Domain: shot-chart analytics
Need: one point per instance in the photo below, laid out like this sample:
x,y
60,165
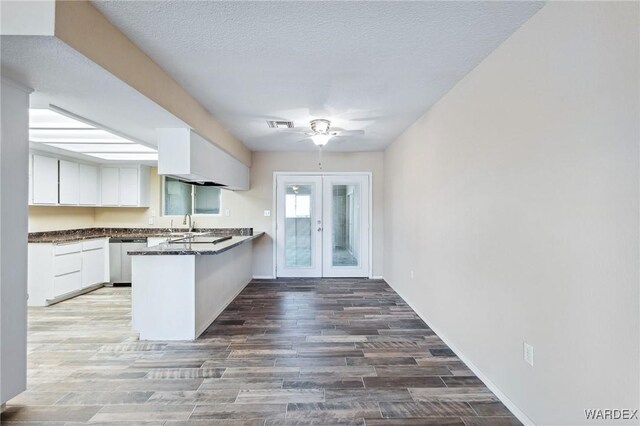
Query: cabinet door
x,y
69,183
92,267
66,283
110,186
128,186
88,185
45,180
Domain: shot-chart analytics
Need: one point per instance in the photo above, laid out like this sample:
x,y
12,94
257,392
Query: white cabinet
x,y
59,271
56,182
88,185
69,176
44,180
110,186
93,270
129,186
125,186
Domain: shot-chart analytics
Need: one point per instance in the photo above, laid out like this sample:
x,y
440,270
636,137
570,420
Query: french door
x,y
322,225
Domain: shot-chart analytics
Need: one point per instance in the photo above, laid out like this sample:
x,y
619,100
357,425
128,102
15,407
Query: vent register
x,y
279,124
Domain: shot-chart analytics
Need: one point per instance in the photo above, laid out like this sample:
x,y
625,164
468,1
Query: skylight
x,y
57,130
120,156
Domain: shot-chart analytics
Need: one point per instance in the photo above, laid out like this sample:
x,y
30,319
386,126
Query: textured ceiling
x,y
372,66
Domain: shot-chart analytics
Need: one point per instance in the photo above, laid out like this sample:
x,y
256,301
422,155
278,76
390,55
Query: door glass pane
x,y
177,197
346,225
298,226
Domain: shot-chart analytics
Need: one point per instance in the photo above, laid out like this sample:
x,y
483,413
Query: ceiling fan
x,y
321,132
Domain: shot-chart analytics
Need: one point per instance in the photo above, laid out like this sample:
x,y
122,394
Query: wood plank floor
x,y
297,351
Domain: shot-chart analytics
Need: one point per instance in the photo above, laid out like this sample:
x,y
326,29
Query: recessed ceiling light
x,y
48,119
125,156
75,135
102,147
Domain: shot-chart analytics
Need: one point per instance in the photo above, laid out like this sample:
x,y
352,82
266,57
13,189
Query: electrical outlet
x,y
411,274
267,213
528,353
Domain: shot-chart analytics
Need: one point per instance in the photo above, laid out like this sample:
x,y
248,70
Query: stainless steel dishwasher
x,y
120,261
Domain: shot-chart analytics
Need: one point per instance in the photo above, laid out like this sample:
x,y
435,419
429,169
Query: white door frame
x,y
274,215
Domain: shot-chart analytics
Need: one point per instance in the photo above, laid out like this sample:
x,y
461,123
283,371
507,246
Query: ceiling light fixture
x,y
60,129
320,139
320,125
121,156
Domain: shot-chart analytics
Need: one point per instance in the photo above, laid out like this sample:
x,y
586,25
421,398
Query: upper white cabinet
x,y
88,185
69,183
129,187
185,155
125,186
110,186
44,180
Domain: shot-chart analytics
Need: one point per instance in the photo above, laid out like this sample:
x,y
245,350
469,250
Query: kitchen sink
x,y
188,234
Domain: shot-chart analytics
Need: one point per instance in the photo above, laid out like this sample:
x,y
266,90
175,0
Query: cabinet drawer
x,y
92,244
67,248
66,284
67,263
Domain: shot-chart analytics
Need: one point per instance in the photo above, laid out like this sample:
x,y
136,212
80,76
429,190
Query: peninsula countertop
x,y
199,245
75,235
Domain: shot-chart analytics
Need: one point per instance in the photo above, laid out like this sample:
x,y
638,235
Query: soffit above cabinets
x,y
56,129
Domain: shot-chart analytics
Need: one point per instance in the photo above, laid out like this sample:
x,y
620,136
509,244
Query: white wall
x,y
14,154
515,201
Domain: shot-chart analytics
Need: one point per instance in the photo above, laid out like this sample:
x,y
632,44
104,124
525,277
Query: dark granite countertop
x,y
71,235
194,246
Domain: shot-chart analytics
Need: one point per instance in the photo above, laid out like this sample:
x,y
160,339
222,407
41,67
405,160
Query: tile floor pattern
x,y
297,351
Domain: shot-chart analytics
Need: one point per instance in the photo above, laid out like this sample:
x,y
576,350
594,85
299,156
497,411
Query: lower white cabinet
x,y
60,270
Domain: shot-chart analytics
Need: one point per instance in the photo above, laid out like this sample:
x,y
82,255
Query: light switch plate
x,y
226,212
267,213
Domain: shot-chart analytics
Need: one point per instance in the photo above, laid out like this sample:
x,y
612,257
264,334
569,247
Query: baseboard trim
x,y
378,277
520,415
264,277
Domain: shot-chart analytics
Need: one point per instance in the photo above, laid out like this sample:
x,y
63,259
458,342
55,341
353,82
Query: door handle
x,y
319,229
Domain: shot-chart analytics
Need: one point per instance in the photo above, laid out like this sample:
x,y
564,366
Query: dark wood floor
x,y
298,351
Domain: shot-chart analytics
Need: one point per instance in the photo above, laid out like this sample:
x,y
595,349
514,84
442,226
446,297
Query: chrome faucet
x,y
184,222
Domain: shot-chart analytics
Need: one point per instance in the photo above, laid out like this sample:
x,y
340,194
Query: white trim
x,y
520,415
377,277
264,277
274,212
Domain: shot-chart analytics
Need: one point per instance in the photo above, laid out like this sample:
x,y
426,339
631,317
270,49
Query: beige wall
x,y
57,218
515,201
246,208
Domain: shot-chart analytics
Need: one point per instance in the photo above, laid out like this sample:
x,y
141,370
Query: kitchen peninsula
x,y
181,286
